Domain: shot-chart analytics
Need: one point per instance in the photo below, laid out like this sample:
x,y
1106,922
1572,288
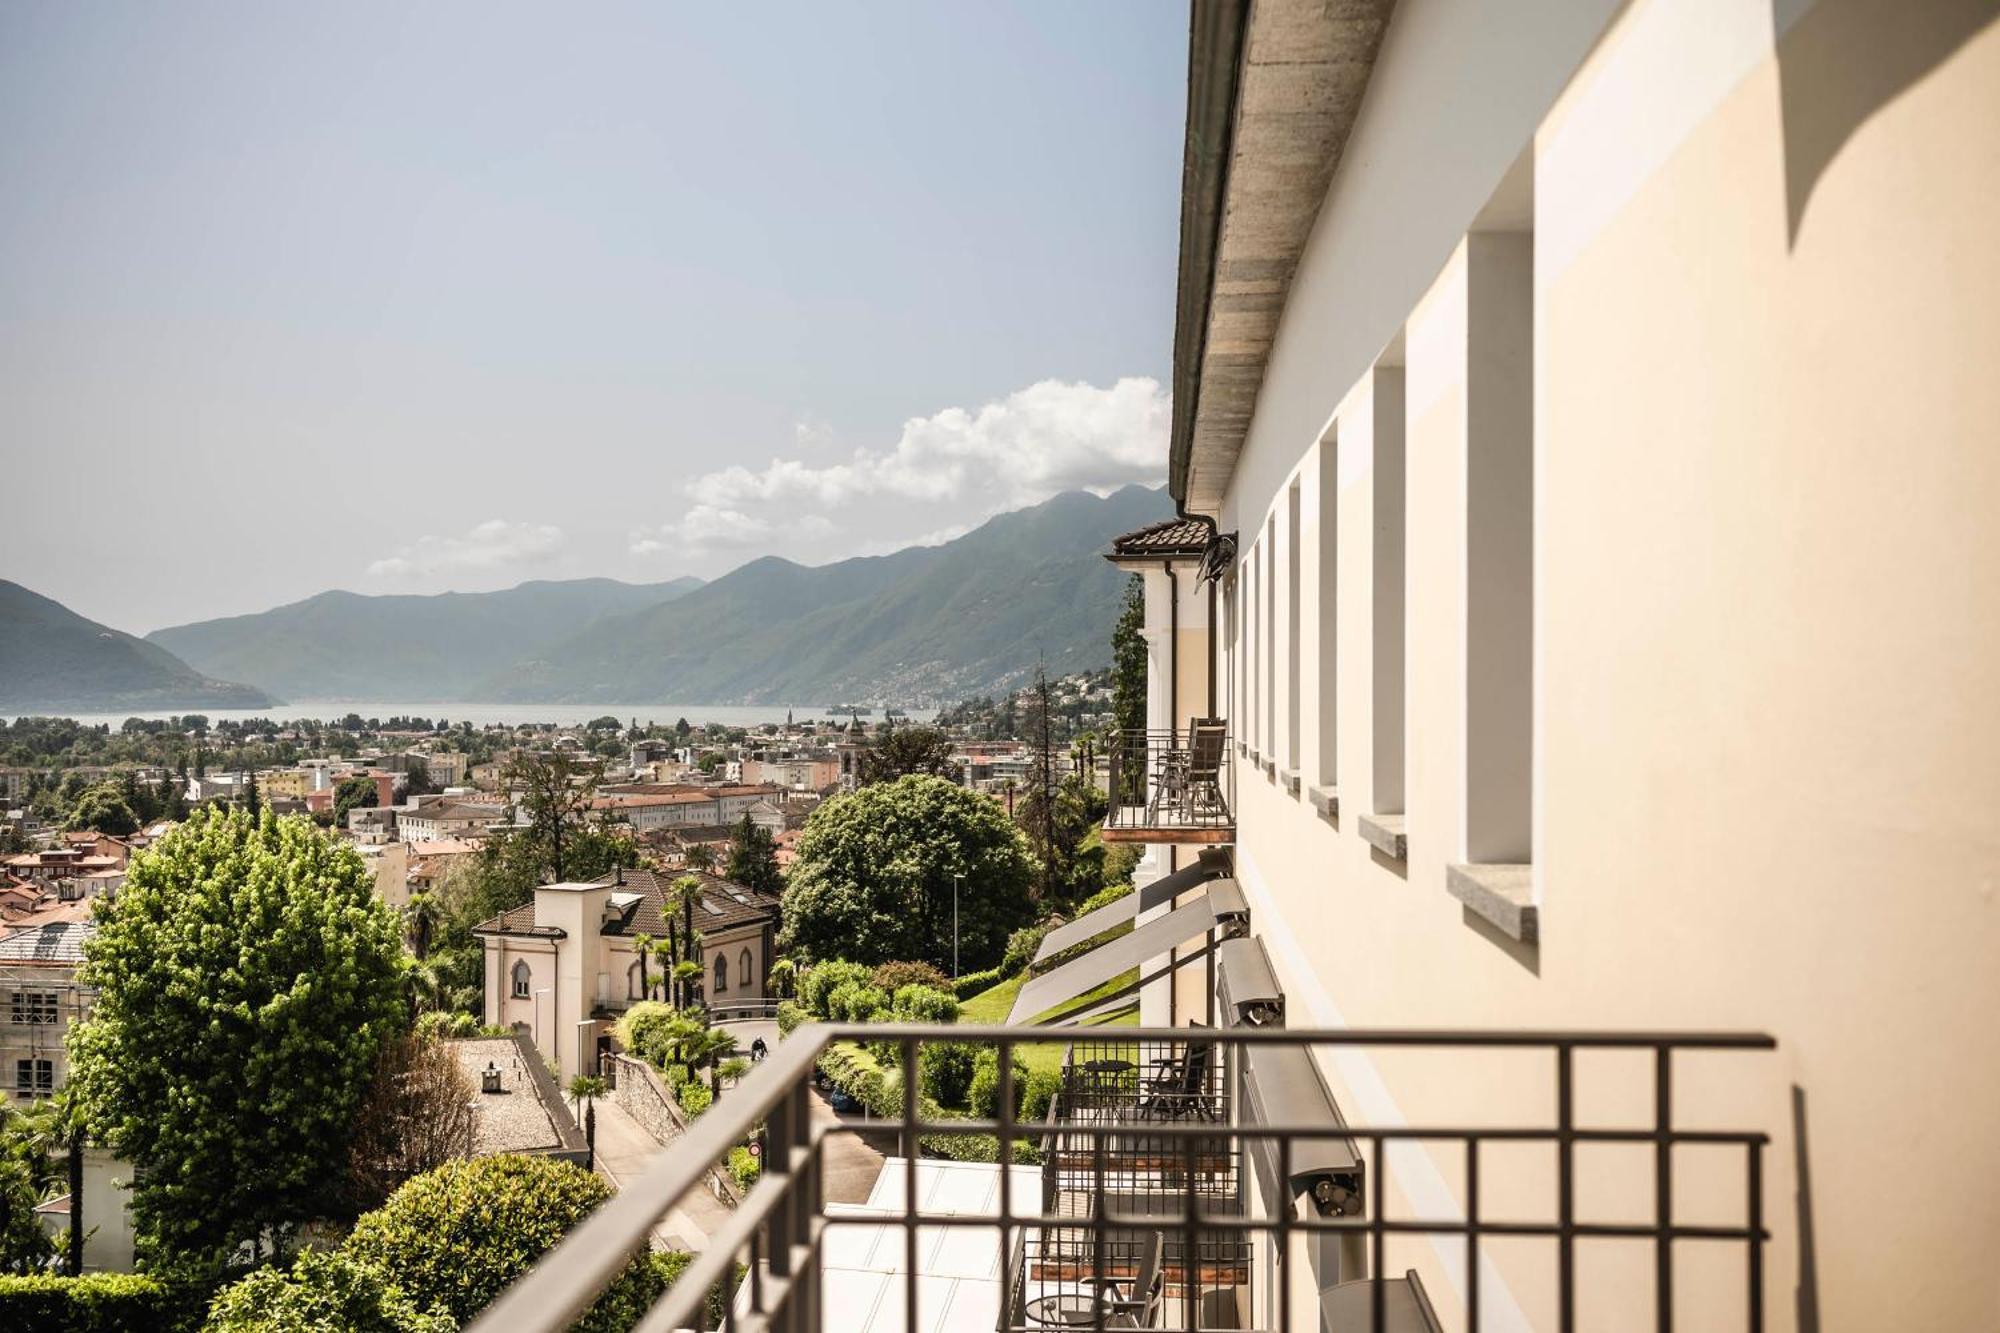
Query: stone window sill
x,y
1386,833
1502,894
1326,800
1291,780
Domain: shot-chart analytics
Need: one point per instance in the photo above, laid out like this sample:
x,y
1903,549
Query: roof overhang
x,y
1273,92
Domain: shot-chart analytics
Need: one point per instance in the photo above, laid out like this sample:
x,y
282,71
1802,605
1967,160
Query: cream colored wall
x,y
1767,653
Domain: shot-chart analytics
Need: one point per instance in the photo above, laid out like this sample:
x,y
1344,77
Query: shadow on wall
x,y
1841,61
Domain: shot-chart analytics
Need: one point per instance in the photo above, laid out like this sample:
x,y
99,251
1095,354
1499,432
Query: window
x,y
1292,655
1269,646
1499,546
743,970
35,1007
34,1078
522,979
721,973
1387,474
1327,647
635,982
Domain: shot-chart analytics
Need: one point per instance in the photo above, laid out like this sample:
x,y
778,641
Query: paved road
x,y
625,1150
851,1165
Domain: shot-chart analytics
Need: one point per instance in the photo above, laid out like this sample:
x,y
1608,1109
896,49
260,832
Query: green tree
x,y
30,1139
753,858
1128,659
355,793
247,977
874,878
453,1238
555,791
907,750
324,1290
102,809
253,804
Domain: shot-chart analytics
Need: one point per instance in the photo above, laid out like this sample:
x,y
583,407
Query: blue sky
x,y
403,298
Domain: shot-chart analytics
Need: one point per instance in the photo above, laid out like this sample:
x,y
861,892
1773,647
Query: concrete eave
x,y
1274,89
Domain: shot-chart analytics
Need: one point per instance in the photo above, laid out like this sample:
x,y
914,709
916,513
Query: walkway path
x,y
625,1150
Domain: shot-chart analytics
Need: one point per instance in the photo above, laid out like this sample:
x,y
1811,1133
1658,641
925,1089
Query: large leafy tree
x,y
753,858
906,750
103,809
247,979
554,790
875,872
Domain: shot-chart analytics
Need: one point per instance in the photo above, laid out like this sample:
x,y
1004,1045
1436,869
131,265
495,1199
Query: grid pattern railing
x,y
1087,1241
1167,779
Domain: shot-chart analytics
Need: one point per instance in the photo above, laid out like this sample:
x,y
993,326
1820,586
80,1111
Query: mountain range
x,y
53,660
925,624
344,645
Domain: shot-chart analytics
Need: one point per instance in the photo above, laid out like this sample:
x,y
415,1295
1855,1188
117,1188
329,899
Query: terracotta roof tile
x,y
1173,536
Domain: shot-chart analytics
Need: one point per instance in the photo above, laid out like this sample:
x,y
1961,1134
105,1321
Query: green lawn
x,y
992,1007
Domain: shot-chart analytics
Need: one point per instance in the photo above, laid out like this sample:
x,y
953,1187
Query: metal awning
x,y
1246,989
1349,1307
1281,1086
1221,906
1213,863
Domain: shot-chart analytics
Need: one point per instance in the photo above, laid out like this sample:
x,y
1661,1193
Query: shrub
x,y
892,977
946,1071
323,1290
861,1076
924,1004
856,1002
744,1168
1021,946
972,983
782,981
984,1096
642,1029
791,1016
93,1303
820,982
439,1023
453,1238
977,1148
1037,1092
694,1097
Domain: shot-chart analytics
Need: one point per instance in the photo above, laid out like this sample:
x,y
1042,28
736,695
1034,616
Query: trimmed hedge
x,y
972,983
791,1016
94,1303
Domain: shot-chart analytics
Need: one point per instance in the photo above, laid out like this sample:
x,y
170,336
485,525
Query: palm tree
x,y
587,1088
642,944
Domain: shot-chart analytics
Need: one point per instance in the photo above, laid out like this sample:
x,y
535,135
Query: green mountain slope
x,y
925,624
343,645
53,660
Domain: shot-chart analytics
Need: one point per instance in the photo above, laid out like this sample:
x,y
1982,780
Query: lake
x,y
511,715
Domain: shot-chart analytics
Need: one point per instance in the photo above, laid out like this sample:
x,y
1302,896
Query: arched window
x,y
744,972
721,973
635,983
522,978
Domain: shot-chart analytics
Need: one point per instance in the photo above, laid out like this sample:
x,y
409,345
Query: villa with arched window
x,y
563,967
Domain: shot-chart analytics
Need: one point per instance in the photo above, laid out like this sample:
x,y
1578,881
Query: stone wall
x,y
643,1095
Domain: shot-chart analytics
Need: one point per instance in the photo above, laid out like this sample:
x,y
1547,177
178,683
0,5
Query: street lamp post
x,y
954,925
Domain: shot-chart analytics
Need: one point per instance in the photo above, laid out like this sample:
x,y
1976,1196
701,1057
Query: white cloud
x,y
494,544
1020,450
706,527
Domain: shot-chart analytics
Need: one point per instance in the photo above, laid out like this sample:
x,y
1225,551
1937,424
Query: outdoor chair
x,y
1179,1086
1135,1302
1189,779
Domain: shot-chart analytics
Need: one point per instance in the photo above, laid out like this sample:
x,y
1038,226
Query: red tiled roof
x,y
1170,537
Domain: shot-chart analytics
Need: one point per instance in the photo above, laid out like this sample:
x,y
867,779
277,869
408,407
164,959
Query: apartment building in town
x,y
1566,791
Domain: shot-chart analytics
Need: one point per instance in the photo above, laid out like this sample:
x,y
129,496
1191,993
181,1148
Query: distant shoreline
x,y
483,714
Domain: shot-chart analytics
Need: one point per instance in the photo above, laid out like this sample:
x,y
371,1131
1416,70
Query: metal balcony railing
x,y
1172,786
1149,1216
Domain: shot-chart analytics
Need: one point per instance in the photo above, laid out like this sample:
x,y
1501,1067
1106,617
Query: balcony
x,y
1179,1169
1172,786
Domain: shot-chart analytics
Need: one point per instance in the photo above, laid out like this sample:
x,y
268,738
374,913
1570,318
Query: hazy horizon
x,y
392,300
